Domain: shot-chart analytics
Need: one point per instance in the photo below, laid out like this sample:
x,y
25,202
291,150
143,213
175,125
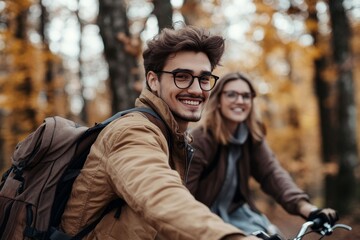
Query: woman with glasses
x,y
230,147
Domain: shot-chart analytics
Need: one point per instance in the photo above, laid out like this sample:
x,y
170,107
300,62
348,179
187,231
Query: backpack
x,y
35,189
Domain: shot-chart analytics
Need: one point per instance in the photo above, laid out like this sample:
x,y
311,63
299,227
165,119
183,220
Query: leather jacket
x,y
257,161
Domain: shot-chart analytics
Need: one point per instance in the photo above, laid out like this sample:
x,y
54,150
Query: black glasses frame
x,y
192,80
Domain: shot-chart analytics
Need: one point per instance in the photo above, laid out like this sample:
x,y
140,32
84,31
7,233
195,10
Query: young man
x,y
131,158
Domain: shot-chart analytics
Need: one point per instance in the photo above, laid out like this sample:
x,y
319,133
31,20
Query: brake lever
x,y
344,226
328,229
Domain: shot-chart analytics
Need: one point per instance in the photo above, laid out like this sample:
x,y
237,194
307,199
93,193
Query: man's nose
x,y
195,86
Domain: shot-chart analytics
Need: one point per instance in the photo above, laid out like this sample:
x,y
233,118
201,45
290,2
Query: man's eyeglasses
x,y
184,80
233,96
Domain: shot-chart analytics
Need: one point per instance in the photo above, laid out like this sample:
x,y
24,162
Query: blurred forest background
x,y
81,59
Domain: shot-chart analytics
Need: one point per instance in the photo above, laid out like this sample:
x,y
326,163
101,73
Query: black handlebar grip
x,y
318,222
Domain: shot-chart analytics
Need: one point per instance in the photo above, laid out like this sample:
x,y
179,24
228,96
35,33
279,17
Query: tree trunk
x,y
49,75
2,143
326,96
123,73
344,184
84,111
25,87
163,12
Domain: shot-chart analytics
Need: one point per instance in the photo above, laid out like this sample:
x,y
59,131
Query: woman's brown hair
x,y
212,118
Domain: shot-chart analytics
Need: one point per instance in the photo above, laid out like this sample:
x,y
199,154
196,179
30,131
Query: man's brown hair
x,y
187,38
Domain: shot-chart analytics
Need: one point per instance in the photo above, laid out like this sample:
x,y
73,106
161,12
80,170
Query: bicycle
x,y
317,225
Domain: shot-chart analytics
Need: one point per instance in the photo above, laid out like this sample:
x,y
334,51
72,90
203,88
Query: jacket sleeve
x,y
139,172
274,179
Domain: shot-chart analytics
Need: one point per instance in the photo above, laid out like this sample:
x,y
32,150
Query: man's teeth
x,y
189,102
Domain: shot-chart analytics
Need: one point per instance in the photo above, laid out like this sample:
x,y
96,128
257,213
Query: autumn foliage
x,y
286,47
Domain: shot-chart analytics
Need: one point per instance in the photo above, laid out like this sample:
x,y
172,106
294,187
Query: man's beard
x,y
185,118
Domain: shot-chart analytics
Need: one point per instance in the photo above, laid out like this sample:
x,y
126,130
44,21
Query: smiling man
x,y
184,95
131,158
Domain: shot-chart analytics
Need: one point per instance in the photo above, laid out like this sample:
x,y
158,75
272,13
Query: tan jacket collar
x,y
147,98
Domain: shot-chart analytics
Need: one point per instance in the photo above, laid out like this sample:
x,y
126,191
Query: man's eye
x,y
204,78
182,76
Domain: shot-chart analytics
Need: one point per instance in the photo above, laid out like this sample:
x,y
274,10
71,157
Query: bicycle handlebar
x,y
317,225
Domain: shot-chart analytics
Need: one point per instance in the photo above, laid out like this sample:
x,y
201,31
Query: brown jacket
x,y
130,160
257,161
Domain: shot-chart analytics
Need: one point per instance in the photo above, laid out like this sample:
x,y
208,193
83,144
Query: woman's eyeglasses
x,y
233,96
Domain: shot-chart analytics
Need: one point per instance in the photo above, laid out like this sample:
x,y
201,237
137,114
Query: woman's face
x,y
235,102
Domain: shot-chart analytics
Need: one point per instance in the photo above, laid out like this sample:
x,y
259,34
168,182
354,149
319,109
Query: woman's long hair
x,y
212,118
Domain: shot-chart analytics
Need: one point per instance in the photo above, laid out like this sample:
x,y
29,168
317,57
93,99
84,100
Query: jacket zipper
x,y
189,157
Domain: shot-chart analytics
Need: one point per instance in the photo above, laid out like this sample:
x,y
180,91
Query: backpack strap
x,y
136,109
116,203
153,116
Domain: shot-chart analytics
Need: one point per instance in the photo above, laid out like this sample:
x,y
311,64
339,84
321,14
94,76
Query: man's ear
x,y
153,81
